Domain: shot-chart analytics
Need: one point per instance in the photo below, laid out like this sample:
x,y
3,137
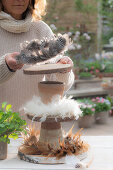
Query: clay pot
x,y
107,74
50,134
86,121
3,150
101,117
49,89
111,114
51,131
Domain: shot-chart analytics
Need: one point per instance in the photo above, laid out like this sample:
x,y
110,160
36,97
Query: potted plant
x,y
11,125
111,102
88,111
85,75
102,108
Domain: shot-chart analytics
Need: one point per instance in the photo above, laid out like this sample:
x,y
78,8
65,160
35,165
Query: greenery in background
x,y
110,100
85,75
95,105
87,107
108,64
11,123
86,8
105,10
93,65
101,107
107,16
109,70
101,104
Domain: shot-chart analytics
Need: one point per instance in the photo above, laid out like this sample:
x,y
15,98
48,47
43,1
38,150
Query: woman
x,y
16,26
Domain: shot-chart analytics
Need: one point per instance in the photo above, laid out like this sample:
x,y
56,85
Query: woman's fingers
x,y
66,60
12,63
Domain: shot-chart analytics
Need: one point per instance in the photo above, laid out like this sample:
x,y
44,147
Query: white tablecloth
x,y
102,150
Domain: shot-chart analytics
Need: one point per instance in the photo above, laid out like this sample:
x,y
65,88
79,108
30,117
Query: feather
x,y
65,107
37,51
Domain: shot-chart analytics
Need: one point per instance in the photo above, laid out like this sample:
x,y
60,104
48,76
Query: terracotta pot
x,y
107,74
86,121
111,114
3,150
49,89
101,117
50,132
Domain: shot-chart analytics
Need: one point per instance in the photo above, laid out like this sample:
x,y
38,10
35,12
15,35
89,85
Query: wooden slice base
x,y
40,159
51,119
47,69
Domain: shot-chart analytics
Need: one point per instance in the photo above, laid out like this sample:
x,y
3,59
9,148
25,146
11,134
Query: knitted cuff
x,y
5,73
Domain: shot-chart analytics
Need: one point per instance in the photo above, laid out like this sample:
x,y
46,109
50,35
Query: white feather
x,y
65,107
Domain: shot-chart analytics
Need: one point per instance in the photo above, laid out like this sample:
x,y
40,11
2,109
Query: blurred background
x,y
89,23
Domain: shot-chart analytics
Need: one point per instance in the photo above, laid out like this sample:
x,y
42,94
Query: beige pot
x,y
101,117
49,89
3,150
86,121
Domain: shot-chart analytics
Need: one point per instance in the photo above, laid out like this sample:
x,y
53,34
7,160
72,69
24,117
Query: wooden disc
x,y
47,69
51,119
39,159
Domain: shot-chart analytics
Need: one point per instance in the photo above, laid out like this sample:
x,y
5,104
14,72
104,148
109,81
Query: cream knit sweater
x,y
20,88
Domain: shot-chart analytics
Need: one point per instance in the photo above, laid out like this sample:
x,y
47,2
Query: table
x,y
102,149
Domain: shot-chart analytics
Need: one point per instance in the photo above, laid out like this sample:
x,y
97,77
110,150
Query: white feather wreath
x,y
65,107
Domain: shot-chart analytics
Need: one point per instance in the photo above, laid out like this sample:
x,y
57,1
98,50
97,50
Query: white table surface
x,y
102,149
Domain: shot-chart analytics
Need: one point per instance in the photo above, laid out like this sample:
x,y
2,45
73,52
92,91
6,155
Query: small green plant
x,y
110,100
11,123
85,75
101,104
108,70
87,107
93,66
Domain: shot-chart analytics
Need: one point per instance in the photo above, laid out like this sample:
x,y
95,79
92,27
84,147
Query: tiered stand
x,y
51,130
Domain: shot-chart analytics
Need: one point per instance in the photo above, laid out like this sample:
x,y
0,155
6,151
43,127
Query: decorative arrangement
x,y
50,108
11,125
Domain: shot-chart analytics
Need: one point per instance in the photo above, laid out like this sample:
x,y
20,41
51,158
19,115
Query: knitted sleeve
x,y
5,73
66,78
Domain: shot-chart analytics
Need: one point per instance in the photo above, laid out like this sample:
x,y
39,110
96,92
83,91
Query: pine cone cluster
x,y
37,51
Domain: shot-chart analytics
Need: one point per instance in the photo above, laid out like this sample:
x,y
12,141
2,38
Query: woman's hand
x,y
66,60
12,63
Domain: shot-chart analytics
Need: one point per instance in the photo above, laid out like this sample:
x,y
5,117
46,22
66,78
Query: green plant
x,y
87,8
110,100
11,123
93,65
87,107
85,75
108,70
101,104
